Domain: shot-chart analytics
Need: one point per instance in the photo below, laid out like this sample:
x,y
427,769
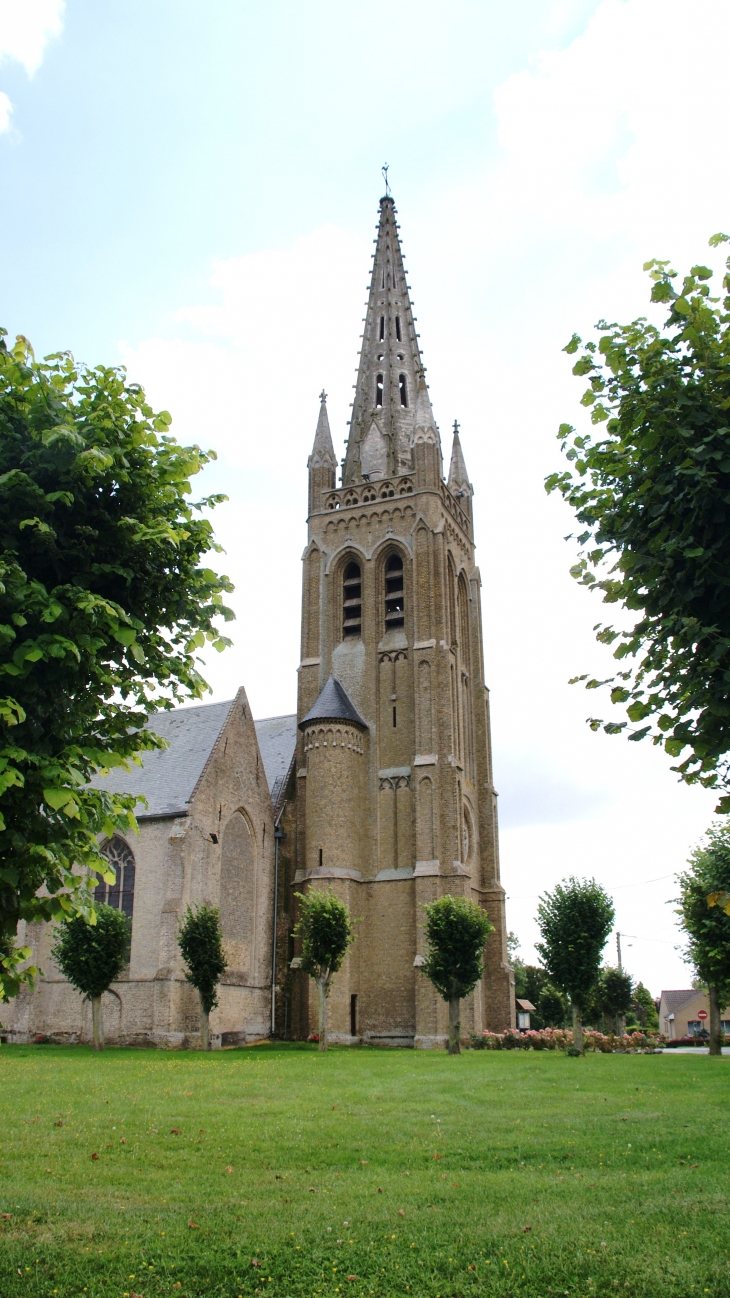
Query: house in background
x,y
679,1014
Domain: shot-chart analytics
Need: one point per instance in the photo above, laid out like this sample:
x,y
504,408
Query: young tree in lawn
x,y
575,921
104,603
325,929
456,933
201,943
708,927
644,1008
552,1006
651,495
614,996
92,956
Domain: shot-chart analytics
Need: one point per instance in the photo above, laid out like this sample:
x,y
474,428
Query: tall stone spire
x,y
390,379
458,481
322,464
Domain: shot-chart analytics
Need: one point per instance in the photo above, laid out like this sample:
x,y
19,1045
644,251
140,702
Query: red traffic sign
x,y
702,1014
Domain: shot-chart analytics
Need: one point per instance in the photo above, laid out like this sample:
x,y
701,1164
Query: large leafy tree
x,y
92,957
614,996
652,492
201,944
104,602
325,929
708,927
575,921
456,932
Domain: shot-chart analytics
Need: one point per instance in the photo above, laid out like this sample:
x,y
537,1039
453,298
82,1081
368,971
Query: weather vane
x,y
384,170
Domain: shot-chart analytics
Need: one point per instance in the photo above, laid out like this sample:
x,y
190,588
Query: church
x,y
380,787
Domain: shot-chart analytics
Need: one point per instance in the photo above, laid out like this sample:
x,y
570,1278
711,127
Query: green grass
x,y
488,1174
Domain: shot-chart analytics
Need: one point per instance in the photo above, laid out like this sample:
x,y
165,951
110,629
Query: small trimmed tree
x,y
645,1009
456,933
575,921
551,1006
201,944
708,927
614,996
325,929
92,955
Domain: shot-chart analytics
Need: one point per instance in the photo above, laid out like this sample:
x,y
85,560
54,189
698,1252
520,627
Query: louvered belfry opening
x,y
352,600
394,594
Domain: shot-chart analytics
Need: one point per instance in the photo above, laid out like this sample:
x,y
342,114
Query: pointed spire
x,y
323,452
391,391
458,478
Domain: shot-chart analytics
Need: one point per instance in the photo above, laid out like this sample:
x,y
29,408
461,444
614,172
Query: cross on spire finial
x,y
384,170
456,428
323,396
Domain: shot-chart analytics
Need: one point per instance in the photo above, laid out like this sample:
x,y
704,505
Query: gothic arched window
x,y
379,390
403,387
394,593
397,328
352,600
382,327
119,894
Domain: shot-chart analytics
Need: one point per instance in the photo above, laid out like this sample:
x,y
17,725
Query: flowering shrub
x,y
313,1036
693,1041
562,1039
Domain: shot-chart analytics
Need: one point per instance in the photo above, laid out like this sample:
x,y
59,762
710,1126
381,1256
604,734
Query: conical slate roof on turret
x,y
334,704
458,476
323,452
390,370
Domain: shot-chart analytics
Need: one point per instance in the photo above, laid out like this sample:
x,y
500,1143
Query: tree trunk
x,y
97,1023
322,990
620,1025
577,1029
454,1026
204,1026
716,1036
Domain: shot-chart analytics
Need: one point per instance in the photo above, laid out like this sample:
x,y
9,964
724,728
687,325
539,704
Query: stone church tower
x,y
395,803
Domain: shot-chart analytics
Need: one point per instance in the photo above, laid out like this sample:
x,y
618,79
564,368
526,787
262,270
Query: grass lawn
x,y
279,1171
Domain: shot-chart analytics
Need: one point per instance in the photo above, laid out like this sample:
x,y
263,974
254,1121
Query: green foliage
x,y
103,605
325,930
552,1006
613,993
652,494
92,955
456,933
708,928
574,921
645,1009
201,944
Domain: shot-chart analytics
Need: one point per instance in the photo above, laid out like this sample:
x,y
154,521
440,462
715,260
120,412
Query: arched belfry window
x,y
352,600
403,388
394,593
378,389
119,894
397,328
382,327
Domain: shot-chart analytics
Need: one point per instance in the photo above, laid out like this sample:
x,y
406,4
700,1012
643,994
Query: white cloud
x,y
26,26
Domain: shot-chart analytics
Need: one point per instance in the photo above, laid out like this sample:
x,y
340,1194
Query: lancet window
x,y
403,388
394,593
352,600
119,894
379,390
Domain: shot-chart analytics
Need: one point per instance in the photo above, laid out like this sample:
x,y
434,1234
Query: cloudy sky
x,y
192,190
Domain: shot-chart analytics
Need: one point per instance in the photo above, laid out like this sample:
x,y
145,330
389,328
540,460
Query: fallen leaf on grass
x,y
379,1190
177,1285
364,1162
401,1212
175,1131
525,1229
229,1169
58,1124
94,1157
312,1190
352,1277
437,1156
255,1261
193,1225
471,1267
6,1216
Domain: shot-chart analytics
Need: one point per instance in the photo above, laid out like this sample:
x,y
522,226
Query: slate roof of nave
x,y
168,777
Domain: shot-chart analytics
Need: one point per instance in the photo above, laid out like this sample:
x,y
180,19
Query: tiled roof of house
x,y
168,777
674,1000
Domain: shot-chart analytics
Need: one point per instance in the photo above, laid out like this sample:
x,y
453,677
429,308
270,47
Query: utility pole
x,y
618,950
